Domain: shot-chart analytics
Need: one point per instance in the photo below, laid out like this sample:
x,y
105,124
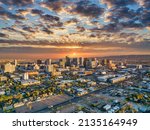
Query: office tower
x,y
109,62
88,64
26,76
8,68
15,62
50,68
93,64
85,62
62,63
39,62
94,59
48,62
75,61
104,62
81,61
68,61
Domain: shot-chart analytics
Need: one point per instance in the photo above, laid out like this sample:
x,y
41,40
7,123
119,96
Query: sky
x,y
87,28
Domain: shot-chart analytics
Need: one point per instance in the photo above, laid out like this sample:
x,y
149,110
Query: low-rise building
x,y
107,107
117,79
81,92
2,92
91,83
104,78
3,78
8,68
30,82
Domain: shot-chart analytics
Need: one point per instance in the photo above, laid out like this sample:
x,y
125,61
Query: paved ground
x,y
38,105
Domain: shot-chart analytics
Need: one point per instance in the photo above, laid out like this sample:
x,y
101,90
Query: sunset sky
x,y
88,28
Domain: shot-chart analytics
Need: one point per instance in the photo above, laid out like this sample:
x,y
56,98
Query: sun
x,y
74,54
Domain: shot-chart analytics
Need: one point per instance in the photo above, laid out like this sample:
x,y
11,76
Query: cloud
x,y
86,8
23,11
21,32
145,17
17,2
50,21
118,3
50,18
55,5
126,17
73,20
47,31
112,27
120,13
37,12
80,29
4,35
30,29
8,15
30,11
144,3
1,8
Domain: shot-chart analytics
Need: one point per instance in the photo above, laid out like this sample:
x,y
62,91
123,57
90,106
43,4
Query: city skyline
x,y
77,28
76,85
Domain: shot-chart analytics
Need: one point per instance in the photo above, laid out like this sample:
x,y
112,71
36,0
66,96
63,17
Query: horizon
x,y
99,57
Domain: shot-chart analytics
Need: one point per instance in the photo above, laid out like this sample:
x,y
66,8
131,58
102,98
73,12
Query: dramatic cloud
x,y
144,3
46,30
50,18
72,21
118,3
23,11
1,8
80,29
29,29
8,15
55,5
17,2
86,8
89,26
4,35
37,12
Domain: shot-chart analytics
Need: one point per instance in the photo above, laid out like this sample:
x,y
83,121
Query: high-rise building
x,y
68,61
8,68
48,62
93,64
50,68
26,76
62,63
88,63
109,62
85,62
39,62
104,62
81,61
75,61
15,62
36,67
94,59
